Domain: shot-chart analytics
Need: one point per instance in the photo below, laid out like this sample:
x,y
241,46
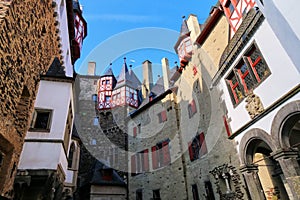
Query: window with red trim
x,y
134,131
192,109
140,162
161,154
257,64
162,116
197,147
247,74
234,88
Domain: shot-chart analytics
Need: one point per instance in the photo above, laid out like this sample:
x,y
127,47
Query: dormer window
x,y
79,30
185,48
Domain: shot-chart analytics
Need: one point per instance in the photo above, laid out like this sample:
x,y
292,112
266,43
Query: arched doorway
x,y
286,130
269,171
262,173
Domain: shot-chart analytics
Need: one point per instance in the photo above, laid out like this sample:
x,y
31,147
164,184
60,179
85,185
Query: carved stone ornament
x,y
254,105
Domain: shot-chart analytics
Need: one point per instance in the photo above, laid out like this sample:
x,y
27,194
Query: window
x,y
41,119
197,147
156,194
107,82
139,194
161,154
71,154
230,7
246,78
234,88
96,121
192,109
136,130
162,116
247,74
209,193
94,97
93,142
140,162
107,98
195,192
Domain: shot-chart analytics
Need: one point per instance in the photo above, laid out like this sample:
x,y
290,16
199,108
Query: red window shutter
x,y
191,151
226,126
166,153
195,70
134,132
164,116
146,160
154,157
203,148
194,108
133,164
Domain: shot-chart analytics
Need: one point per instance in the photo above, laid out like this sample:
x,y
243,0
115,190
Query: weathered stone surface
x,y
28,44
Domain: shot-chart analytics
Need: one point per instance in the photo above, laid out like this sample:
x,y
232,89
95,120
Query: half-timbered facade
x,y
234,11
259,76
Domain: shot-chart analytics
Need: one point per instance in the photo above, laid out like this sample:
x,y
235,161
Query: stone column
x,y
250,172
291,171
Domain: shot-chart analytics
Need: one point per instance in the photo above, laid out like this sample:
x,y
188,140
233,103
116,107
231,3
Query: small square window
x,y
94,97
41,119
96,121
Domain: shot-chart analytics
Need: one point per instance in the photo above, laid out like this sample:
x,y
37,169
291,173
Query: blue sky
x,y
119,28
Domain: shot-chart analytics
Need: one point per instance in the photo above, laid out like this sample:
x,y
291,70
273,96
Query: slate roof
x,y
56,69
128,78
97,178
184,30
109,72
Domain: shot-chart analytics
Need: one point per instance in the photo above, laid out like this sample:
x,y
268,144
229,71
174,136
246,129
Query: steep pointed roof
x,y
184,30
56,69
128,78
109,71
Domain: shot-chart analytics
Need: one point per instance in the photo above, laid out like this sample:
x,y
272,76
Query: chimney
x,y
91,68
193,26
148,79
166,72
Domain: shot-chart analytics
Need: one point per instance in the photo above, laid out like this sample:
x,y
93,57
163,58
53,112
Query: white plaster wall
x,y
64,35
266,122
55,96
48,155
290,10
37,155
284,76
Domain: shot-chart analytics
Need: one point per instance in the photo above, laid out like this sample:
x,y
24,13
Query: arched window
x,y
71,155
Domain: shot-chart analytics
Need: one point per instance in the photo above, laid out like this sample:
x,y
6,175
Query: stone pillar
x,y
250,172
148,79
166,72
291,171
91,68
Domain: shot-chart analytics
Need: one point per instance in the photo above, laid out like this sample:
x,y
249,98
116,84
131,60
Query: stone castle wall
x,y
28,43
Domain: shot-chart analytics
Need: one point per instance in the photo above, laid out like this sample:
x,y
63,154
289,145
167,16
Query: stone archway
x,y
286,130
262,173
